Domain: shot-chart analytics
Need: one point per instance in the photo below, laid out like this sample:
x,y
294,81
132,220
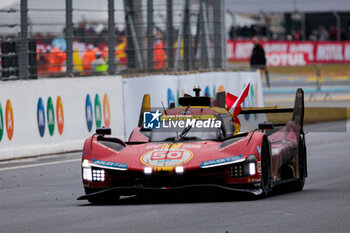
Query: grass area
x,y
309,70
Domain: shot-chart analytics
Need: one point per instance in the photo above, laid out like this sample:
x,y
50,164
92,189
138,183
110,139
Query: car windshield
x,y
190,134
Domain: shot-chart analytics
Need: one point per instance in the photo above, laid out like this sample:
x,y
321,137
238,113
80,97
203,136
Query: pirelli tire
x,y
298,185
266,173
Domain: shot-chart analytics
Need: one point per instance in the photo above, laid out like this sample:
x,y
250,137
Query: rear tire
x,y
299,184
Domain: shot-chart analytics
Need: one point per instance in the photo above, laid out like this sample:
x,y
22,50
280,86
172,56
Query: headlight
x,y
87,174
179,169
98,175
243,169
85,163
252,169
147,170
251,159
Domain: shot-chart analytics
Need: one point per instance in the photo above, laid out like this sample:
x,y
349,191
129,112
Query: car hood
x,y
190,155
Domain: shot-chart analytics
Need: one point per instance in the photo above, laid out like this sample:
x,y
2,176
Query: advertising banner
x,y
317,52
286,59
50,116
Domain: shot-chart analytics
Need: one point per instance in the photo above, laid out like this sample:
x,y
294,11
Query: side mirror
x,y
104,131
265,125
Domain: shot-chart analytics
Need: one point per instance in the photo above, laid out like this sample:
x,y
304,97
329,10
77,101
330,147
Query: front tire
x,y
265,170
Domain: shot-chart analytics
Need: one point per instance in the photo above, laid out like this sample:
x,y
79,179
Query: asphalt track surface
x,y
39,195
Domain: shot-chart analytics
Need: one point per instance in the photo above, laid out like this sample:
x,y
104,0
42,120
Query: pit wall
x,y
50,116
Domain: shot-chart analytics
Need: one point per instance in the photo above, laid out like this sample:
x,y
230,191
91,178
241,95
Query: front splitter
x,y
139,190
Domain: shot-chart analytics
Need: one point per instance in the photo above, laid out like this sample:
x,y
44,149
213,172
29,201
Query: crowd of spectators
x,y
320,33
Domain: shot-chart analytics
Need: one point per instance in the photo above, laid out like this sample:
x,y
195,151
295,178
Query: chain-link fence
x,y
57,38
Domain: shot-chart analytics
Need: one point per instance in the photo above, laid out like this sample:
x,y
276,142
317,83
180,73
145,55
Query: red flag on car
x,y
234,103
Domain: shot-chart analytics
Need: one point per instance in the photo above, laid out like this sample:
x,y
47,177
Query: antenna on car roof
x,y
197,90
164,108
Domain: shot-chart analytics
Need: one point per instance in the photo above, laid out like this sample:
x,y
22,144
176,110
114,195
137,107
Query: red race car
x,y
196,147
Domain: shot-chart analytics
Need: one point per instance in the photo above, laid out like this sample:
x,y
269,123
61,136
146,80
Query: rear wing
x,y
297,110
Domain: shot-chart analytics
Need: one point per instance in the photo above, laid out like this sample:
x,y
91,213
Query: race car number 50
x,y
166,158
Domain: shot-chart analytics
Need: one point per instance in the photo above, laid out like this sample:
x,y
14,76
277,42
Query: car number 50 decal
x,y
166,158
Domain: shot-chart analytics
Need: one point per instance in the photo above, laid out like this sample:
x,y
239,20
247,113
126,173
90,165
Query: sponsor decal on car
x,y
220,162
259,149
166,157
113,165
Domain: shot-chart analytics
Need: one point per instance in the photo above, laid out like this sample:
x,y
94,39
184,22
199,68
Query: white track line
x,y
39,164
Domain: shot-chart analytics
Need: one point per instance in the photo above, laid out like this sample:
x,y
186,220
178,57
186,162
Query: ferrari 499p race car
x,y
178,155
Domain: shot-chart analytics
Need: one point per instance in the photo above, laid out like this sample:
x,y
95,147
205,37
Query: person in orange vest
x,y
56,59
159,55
88,58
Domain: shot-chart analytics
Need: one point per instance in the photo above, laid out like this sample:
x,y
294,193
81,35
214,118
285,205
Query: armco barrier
x,y
167,89
52,116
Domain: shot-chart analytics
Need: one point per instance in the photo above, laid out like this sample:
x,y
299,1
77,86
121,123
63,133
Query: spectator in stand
x,y
159,53
120,54
99,65
258,59
88,58
322,33
56,60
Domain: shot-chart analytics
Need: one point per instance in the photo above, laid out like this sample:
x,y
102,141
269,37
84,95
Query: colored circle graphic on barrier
x,y
9,119
98,113
59,115
171,97
50,116
207,91
40,114
88,112
1,123
106,111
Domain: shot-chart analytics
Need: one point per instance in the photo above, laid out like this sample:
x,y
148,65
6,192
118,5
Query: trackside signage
x,y
56,115
287,59
320,52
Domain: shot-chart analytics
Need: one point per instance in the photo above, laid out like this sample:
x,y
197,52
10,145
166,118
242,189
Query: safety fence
x,y
42,38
